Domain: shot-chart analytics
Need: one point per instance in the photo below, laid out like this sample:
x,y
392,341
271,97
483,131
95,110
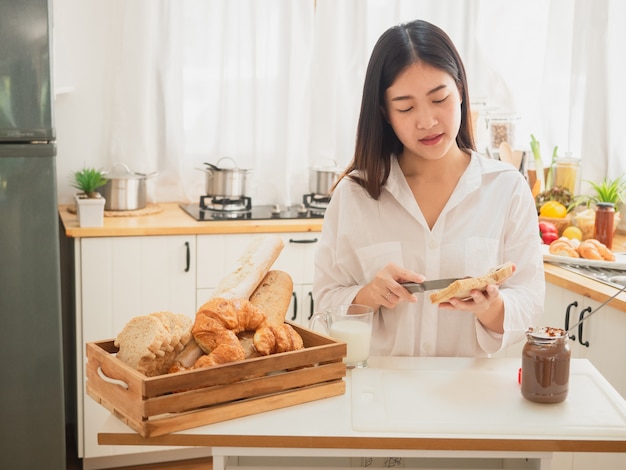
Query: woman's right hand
x,y
385,289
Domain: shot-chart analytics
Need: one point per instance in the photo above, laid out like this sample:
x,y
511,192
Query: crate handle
x,y
104,377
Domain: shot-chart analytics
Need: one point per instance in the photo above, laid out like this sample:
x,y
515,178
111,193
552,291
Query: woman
x,y
417,202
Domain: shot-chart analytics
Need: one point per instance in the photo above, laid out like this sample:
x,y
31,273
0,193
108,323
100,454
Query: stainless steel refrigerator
x,y
32,416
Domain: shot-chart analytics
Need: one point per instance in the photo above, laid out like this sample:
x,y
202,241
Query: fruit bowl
x,y
560,223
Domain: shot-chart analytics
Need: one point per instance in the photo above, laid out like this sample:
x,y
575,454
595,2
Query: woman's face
x,y
423,106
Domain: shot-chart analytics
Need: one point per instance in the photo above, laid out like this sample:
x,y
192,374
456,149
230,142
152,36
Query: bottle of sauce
x,y
604,224
545,365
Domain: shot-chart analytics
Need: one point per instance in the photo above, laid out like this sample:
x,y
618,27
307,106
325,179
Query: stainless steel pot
x,y
322,179
225,182
125,190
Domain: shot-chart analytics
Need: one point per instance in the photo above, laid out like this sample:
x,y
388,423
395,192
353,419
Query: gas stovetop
x,y
261,212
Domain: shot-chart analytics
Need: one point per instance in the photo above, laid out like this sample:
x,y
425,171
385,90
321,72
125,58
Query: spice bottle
x,y
545,365
604,223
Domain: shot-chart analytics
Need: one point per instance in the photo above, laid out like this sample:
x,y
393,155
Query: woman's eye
x,y
406,110
441,100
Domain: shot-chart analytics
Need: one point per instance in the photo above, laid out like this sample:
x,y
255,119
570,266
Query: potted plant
x,y
89,202
613,191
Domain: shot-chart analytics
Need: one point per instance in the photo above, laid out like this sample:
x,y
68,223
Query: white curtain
x,y
276,84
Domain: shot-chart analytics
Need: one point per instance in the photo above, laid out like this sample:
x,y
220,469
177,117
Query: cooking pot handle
x,y
228,158
125,167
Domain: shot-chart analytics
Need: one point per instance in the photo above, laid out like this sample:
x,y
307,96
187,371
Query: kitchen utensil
x,y
506,153
575,325
322,179
351,323
428,285
125,190
228,183
517,158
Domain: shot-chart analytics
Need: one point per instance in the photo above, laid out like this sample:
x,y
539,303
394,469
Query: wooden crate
x,y
154,406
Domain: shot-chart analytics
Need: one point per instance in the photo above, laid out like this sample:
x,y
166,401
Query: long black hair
x,y
398,48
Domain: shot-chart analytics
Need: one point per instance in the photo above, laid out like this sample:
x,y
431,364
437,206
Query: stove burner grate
x,y
316,202
225,204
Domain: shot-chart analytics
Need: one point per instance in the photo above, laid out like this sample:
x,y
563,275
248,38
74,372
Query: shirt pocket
x,y
481,254
375,257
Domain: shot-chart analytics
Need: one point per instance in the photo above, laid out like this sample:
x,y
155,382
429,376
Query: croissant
x,y
563,248
593,249
272,339
217,324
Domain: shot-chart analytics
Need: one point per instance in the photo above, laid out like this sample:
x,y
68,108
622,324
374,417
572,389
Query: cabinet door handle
x,y
311,306
306,240
295,306
567,311
188,257
580,327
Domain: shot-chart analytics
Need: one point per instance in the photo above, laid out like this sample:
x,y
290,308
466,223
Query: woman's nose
x,y
425,120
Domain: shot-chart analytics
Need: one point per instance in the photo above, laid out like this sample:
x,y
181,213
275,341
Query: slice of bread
x,y
150,343
462,288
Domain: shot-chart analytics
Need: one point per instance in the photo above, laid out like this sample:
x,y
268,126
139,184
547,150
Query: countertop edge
x,y
172,220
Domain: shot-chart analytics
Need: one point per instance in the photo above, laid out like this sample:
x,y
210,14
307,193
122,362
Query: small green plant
x,y
607,191
88,180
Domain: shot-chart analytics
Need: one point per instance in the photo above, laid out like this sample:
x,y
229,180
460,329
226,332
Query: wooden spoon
x,y
506,153
518,155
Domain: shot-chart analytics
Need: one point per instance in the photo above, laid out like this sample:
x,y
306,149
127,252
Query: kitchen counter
x,y
413,405
172,220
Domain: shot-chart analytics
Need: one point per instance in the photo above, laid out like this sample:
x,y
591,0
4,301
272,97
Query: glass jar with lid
x,y
502,128
567,173
545,365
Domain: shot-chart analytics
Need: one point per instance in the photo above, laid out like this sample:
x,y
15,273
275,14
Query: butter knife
x,y
436,284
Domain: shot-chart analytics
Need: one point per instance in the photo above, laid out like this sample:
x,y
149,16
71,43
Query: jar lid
x,y
605,205
546,333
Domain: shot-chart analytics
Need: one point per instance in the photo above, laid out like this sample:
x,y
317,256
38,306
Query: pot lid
x,y
216,166
121,171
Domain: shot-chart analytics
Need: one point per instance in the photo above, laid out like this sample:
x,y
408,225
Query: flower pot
x,y
90,211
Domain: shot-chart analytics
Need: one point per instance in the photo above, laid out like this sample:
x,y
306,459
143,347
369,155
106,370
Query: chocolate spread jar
x,y
545,365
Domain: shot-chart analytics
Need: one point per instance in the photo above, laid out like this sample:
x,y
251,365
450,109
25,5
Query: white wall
x,y
80,32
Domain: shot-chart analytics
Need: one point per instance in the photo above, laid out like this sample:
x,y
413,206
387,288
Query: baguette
x,y
462,288
251,268
273,296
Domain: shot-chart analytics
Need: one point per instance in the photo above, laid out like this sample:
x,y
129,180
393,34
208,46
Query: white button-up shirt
x,y
489,219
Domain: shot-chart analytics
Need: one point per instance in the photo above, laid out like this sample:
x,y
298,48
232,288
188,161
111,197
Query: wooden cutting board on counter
x,y
482,398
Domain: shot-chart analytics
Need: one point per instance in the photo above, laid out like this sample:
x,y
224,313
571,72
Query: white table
x,y
417,408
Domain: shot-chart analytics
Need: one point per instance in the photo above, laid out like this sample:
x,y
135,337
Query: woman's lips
x,y
432,139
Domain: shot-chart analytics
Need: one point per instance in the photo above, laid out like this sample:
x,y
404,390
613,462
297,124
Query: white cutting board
x,y
484,401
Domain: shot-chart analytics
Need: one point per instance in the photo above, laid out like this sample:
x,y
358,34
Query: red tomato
x,y
548,232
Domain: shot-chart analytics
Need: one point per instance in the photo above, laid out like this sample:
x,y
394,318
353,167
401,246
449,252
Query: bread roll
x,y
273,296
251,268
462,288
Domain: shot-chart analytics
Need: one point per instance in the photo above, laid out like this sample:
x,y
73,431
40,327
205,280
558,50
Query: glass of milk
x,y
352,324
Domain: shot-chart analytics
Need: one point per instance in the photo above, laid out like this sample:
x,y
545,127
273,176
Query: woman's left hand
x,y
487,305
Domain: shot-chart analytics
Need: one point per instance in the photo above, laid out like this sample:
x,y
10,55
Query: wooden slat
x,y
159,427
175,403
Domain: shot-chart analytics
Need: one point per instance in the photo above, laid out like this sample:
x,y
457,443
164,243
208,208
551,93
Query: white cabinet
x,y
118,278
601,340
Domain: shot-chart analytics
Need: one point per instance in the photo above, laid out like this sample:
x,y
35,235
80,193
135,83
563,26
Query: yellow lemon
x,y
573,233
553,209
